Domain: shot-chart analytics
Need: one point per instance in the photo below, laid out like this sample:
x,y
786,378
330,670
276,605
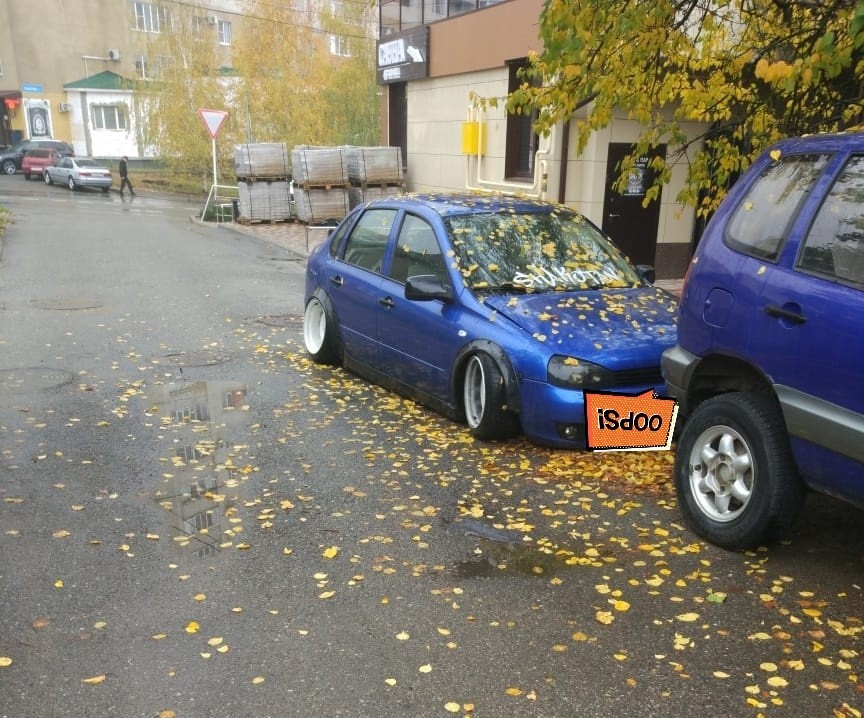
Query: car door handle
x,y
789,315
387,302
337,280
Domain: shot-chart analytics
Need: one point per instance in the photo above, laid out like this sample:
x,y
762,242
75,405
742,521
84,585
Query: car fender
x,y
501,358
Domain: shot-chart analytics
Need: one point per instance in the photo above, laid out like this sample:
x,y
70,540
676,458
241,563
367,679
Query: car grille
x,y
637,377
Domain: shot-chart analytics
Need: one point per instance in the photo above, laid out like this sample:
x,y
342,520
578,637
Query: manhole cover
x,y
280,320
66,303
33,378
205,357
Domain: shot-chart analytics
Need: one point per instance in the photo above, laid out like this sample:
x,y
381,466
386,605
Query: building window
x,y
521,138
150,17
224,32
339,46
108,117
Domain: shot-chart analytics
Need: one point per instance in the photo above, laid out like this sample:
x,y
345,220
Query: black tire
x,y
27,176
484,400
9,167
105,189
736,480
321,331
71,183
47,178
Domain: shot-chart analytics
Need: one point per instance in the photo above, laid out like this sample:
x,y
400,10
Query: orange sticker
x,y
635,422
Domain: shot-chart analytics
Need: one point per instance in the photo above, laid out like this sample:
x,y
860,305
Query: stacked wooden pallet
x,y
320,183
263,181
374,172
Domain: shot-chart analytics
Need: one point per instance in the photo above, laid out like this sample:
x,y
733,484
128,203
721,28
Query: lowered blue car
x,y
494,310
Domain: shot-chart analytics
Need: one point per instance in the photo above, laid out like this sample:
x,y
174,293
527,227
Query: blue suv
x,y
769,364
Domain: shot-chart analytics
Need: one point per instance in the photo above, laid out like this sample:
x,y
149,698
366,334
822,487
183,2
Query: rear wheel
x,y
105,189
321,332
735,476
71,183
484,399
9,167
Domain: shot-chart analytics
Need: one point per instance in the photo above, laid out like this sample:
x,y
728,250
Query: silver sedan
x,y
77,172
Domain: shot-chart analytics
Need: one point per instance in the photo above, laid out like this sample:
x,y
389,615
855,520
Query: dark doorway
x,y
630,225
397,119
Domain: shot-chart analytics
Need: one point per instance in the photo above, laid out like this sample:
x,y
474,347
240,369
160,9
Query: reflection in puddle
x,y
203,417
495,559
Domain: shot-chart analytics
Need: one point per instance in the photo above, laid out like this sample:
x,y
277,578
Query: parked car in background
x,y
77,172
495,310
11,159
768,366
35,161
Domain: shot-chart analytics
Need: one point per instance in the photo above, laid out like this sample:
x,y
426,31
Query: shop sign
x,y
404,57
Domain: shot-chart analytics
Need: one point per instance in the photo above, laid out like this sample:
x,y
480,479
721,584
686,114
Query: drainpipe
x,y
562,172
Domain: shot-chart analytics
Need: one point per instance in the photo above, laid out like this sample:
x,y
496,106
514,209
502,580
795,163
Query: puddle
x,y
204,470
496,560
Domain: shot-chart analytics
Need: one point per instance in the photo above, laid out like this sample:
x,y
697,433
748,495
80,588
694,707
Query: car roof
x,y
448,204
827,142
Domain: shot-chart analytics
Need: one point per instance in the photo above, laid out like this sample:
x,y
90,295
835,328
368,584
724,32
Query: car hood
x,y
617,328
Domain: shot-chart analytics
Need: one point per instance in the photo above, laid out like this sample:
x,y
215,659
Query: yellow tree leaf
x,y
94,681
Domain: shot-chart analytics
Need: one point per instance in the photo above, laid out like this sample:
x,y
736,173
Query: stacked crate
x,y
320,183
263,181
374,172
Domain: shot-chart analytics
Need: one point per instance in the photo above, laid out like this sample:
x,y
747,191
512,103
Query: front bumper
x,y
554,416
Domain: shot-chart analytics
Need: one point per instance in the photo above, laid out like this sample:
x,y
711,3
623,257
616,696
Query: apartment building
x,y
435,55
67,69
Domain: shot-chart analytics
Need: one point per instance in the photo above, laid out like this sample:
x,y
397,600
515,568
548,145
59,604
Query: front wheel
x,y
47,178
320,331
71,183
484,399
736,480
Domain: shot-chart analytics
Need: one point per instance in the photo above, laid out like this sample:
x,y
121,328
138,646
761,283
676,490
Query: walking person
x,y
124,176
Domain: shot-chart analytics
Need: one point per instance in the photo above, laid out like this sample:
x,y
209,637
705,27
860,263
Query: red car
x,y
35,161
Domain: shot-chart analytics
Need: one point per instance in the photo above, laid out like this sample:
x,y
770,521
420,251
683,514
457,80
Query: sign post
x,y
213,120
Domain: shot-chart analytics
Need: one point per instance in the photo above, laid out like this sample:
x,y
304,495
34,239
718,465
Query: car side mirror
x,y
647,272
423,287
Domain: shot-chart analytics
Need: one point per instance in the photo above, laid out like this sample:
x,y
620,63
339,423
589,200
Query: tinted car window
x,y
368,242
835,243
759,224
417,251
538,252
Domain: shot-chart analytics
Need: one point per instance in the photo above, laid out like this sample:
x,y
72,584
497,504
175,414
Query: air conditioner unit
x,y
212,19
64,107
113,54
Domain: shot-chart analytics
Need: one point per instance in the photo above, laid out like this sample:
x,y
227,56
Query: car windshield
x,y
86,163
536,252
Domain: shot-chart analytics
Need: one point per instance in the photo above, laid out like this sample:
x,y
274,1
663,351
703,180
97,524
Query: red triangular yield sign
x,y
213,119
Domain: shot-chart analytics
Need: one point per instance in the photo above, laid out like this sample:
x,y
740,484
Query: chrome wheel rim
x,y
314,326
474,392
721,473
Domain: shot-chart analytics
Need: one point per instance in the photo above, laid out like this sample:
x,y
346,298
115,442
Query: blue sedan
x,y
494,310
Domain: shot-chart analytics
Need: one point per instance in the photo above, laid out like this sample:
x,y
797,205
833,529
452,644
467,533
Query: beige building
x,y
66,68
434,56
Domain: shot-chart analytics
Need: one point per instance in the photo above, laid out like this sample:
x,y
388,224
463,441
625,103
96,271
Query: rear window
x,y
760,223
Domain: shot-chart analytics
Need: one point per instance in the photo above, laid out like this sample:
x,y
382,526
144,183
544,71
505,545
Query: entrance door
x,y
398,119
630,225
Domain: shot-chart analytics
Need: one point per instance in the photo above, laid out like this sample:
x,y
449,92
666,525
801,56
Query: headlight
x,y
574,373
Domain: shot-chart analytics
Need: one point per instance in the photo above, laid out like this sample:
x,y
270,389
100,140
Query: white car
x,y
77,172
